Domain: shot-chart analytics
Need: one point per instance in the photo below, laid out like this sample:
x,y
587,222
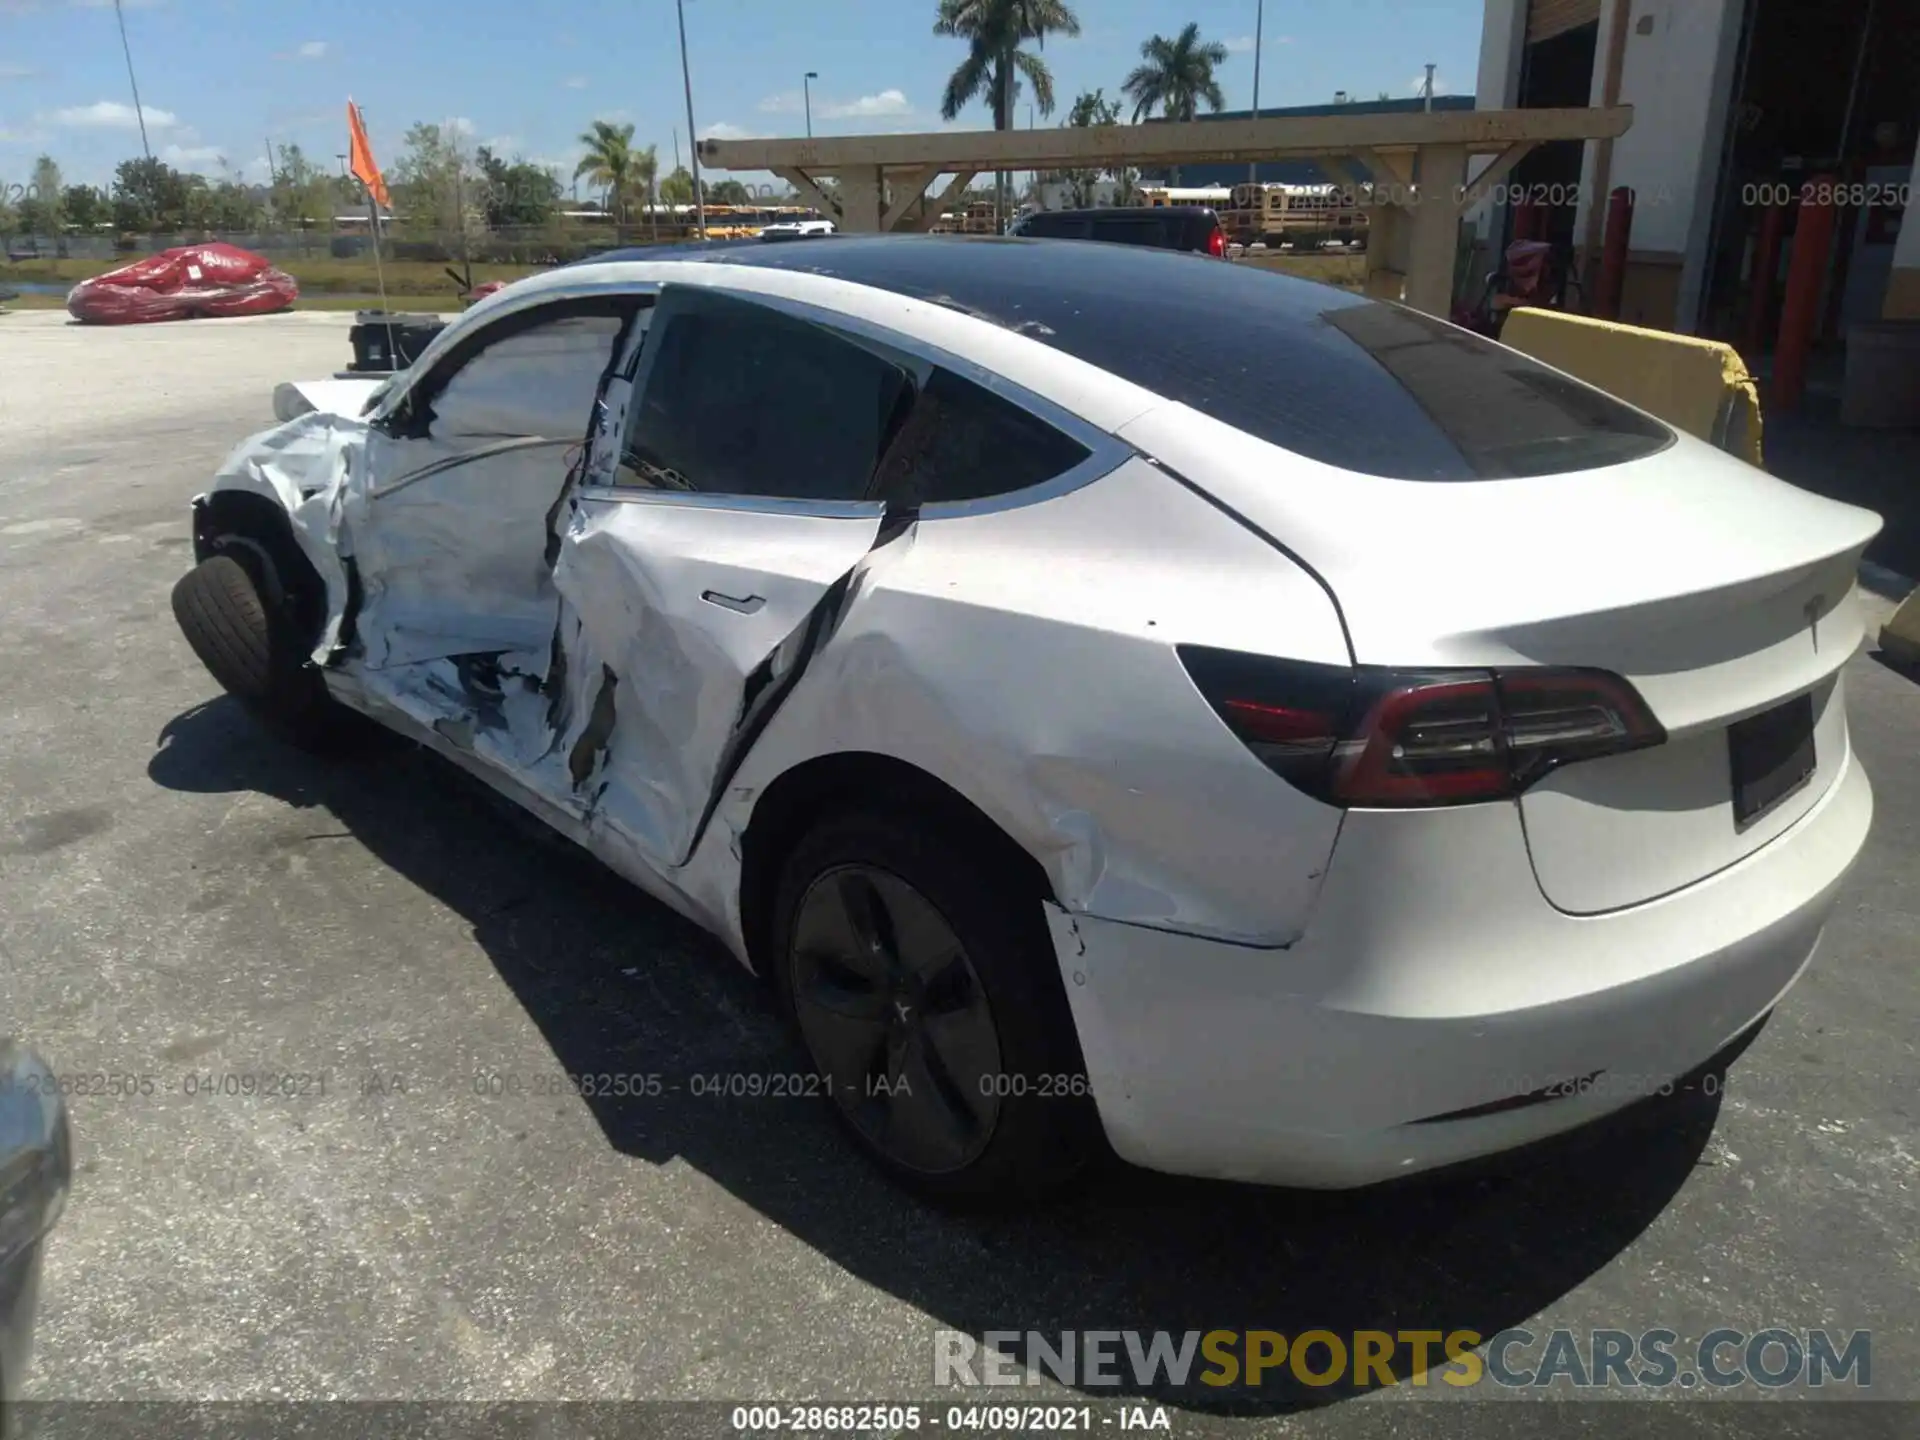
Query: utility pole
x,y
693,133
138,113
1428,88
1259,22
806,90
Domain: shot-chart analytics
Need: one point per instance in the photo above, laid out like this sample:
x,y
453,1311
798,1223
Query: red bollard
x,y
1806,274
1613,254
1766,264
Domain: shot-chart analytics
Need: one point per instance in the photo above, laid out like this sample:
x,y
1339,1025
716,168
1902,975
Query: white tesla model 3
x,y
1106,691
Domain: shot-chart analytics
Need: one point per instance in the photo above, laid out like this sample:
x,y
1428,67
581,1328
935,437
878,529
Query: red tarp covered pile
x,y
183,284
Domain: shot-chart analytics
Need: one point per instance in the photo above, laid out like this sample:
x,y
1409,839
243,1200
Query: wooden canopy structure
x,y
1416,165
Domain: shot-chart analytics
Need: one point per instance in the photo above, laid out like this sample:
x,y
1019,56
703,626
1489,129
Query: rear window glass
x,y
1336,377
1376,388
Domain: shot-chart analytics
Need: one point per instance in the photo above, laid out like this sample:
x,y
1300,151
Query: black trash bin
x,y
384,343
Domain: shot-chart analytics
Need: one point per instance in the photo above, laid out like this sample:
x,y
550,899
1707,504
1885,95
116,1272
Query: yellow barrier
x,y
1900,636
1699,386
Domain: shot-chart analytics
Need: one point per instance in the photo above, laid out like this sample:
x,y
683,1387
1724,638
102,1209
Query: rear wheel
x,y
248,644
925,989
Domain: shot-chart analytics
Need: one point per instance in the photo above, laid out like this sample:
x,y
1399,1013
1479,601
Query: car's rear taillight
x,y
1373,737
1217,243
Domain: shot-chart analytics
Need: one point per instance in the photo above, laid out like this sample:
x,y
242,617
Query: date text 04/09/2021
x,y
757,1085
988,1419
133,1085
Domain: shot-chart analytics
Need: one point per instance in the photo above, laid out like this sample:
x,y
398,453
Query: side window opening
x,y
739,399
537,382
962,442
736,398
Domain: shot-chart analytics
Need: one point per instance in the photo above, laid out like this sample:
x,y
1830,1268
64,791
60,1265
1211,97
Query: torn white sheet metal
x,y
697,612
610,411
304,466
452,552
348,397
1038,678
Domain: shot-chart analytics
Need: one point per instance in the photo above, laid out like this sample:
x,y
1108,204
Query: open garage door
x,y
1548,18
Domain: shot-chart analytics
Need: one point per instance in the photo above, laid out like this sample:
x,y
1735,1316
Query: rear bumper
x,y
1433,979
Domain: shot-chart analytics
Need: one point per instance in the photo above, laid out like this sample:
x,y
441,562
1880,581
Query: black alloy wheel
x,y
911,949
895,1014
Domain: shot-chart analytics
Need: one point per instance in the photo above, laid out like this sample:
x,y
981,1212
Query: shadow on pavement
x,y
1131,1251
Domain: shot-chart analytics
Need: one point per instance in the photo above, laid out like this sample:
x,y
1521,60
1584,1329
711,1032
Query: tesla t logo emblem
x,y
902,1009
1812,611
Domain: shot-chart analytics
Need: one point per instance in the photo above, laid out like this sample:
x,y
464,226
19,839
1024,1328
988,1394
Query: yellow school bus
x,y
1304,216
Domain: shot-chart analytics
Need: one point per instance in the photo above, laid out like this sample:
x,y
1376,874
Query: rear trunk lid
x,y
1719,592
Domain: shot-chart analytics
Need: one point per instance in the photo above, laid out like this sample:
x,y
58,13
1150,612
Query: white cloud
x,y
1243,44
794,102
887,102
16,72
1418,85
458,125
574,82
721,130
502,145
21,137
194,157
112,115
314,50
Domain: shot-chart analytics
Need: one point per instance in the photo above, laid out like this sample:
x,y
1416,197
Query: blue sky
x,y
219,77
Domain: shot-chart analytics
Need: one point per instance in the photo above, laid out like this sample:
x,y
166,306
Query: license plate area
x,y
1770,756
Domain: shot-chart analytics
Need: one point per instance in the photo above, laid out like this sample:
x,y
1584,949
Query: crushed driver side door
x,y
448,527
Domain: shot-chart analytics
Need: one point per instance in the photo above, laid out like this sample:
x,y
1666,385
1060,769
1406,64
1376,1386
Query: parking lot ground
x,y
425,1211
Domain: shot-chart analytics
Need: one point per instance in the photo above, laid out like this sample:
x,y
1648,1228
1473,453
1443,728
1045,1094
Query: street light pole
x,y
806,89
693,135
1259,21
138,113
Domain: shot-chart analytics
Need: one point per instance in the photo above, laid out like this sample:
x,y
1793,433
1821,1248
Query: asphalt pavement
x,y
345,1161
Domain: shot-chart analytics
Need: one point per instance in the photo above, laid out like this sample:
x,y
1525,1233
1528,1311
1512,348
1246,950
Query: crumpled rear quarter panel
x,y
1025,656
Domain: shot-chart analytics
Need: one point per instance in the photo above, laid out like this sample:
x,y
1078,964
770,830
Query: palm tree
x,y
993,30
612,163
643,171
1177,75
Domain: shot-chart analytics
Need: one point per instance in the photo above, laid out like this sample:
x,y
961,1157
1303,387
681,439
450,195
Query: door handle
x,y
739,604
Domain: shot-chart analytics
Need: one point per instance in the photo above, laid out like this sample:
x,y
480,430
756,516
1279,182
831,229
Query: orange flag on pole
x,y
361,159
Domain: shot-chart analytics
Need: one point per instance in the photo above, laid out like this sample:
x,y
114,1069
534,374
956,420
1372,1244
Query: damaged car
x,y
1268,731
